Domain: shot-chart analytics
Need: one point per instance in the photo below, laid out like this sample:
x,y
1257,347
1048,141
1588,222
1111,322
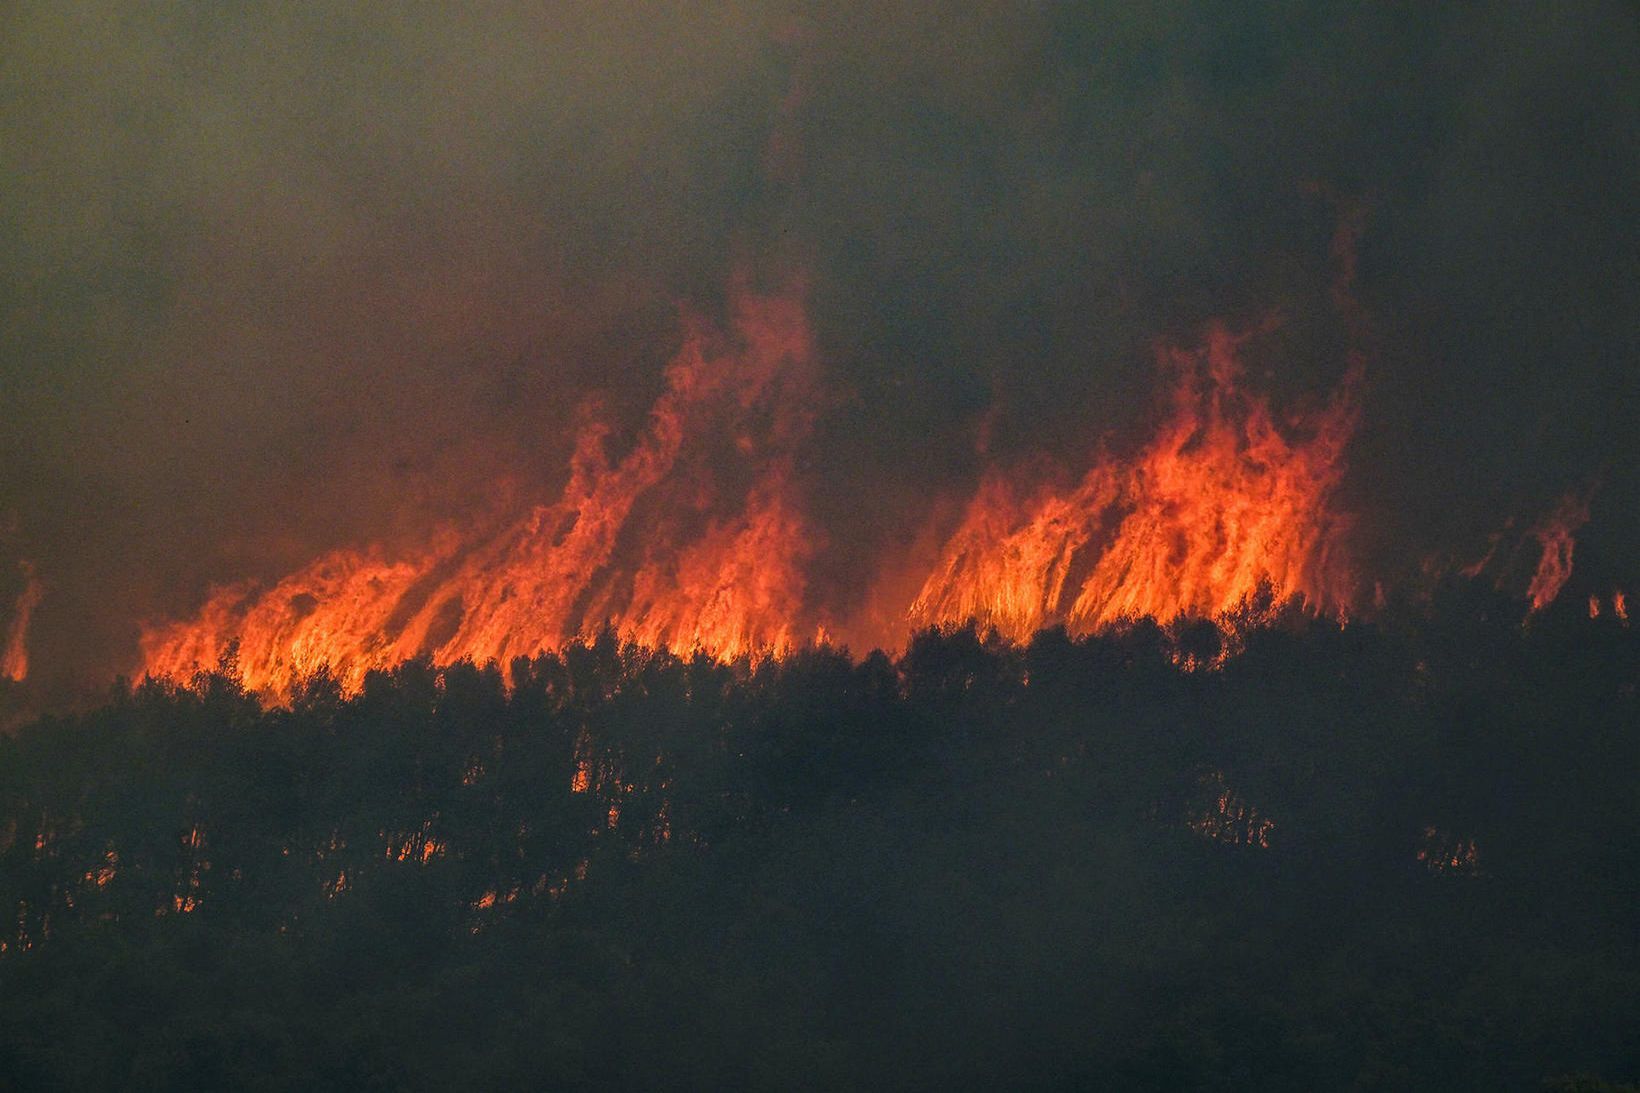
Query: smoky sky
x,y
283,277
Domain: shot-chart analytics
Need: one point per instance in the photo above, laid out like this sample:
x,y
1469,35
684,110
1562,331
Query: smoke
x,y
286,278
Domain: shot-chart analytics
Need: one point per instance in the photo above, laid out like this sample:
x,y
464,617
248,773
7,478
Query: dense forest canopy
x,y
1376,856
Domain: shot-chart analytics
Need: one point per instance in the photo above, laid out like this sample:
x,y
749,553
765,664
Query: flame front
x,y
696,538
1218,506
650,544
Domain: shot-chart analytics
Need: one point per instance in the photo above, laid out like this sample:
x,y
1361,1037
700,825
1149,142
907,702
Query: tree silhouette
x,y
1395,855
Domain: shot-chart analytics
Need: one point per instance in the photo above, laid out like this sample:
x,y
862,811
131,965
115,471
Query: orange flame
x,y
648,543
14,657
1218,506
1555,533
1222,504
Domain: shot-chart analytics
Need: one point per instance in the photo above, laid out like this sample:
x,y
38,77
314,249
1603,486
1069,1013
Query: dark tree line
x,y
1383,856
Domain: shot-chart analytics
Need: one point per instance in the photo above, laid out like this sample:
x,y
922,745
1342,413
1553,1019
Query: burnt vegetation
x,y
1383,856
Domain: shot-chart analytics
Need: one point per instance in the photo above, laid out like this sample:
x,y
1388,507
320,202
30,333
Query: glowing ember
x,y
103,874
187,897
415,846
1226,818
1220,505
1442,852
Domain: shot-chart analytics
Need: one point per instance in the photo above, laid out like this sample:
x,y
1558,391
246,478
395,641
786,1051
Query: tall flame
x,y
673,550
1221,504
652,543
1556,535
14,654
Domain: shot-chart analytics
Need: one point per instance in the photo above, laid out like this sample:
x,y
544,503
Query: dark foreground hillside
x,y
1371,858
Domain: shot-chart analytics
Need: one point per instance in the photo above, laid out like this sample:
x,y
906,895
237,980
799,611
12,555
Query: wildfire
x,y
652,543
673,550
1555,534
1220,504
1619,608
696,538
14,654
1551,541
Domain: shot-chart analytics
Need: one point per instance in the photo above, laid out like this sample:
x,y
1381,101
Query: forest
x,y
1396,853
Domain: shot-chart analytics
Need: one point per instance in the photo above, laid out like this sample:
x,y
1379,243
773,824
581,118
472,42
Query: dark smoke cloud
x,y
281,277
